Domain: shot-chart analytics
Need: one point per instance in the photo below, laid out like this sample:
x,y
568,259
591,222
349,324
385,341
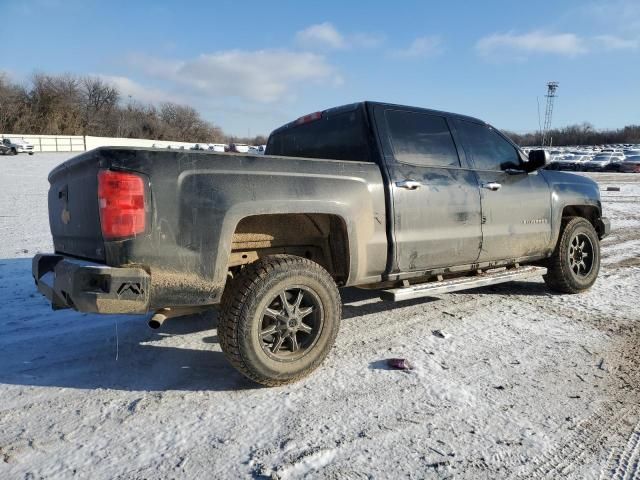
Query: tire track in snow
x,y
561,460
625,464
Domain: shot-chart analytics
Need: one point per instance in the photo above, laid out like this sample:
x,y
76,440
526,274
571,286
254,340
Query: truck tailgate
x,y
74,216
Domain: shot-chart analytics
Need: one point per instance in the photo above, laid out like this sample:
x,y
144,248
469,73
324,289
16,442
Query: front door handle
x,y
493,186
409,184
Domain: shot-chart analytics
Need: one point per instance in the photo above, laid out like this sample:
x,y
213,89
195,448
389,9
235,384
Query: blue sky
x,y
251,66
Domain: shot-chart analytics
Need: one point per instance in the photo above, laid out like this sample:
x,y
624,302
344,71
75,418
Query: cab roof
x,y
365,104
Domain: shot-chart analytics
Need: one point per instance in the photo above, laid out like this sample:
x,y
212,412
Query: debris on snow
x,y
602,366
400,364
439,334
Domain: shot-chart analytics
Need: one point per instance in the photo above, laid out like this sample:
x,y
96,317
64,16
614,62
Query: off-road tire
x,y
242,313
560,276
14,151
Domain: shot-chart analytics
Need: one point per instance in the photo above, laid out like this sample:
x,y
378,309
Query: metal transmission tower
x,y
551,95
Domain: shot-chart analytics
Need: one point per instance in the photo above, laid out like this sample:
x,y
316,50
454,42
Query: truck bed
x,y
196,200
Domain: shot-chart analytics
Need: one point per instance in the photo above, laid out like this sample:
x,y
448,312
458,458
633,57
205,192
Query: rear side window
x,y
421,139
337,136
488,149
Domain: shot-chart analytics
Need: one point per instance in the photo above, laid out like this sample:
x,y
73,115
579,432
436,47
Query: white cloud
x,y
258,76
321,35
326,36
612,42
365,40
422,47
535,42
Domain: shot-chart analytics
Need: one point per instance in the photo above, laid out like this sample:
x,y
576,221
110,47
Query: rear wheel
x,y
575,263
279,319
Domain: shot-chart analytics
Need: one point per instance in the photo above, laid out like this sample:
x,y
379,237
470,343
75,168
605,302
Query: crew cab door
x,y
516,206
436,202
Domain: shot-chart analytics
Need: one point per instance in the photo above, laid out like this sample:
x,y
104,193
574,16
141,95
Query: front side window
x,y
421,139
488,149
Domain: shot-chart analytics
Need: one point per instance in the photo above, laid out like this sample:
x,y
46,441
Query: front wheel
x,y
575,263
279,319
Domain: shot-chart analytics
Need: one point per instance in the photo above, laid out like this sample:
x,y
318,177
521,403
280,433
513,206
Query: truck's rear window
x,y
338,136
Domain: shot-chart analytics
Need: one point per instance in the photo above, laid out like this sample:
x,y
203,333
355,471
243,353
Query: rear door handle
x,y
408,184
493,186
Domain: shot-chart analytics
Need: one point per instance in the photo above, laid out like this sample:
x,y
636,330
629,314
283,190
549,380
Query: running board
x,y
461,283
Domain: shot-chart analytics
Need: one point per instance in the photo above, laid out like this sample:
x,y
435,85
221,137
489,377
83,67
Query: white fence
x,y
81,143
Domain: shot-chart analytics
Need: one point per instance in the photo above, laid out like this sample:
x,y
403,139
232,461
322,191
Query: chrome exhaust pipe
x,y
157,320
166,313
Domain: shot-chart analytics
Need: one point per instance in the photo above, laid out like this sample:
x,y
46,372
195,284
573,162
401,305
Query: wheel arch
x,y
591,211
588,212
321,237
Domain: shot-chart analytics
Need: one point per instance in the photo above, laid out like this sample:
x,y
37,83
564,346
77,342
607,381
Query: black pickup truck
x,y
406,200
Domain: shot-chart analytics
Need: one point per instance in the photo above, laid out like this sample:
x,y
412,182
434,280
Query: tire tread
x,y
557,277
235,297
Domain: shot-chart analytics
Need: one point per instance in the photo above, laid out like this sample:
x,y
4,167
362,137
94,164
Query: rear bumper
x,y
90,287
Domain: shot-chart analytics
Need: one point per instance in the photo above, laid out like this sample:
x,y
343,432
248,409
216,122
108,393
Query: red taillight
x,y
121,202
309,118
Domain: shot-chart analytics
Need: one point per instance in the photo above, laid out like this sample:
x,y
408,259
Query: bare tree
x,y
99,100
71,105
12,99
582,134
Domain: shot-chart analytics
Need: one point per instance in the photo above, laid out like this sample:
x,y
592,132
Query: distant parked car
x,y
614,165
218,147
16,146
599,163
580,160
631,164
560,164
239,148
197,146
6,150
566,162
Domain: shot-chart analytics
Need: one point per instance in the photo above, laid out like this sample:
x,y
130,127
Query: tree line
x,y
88,105
583,134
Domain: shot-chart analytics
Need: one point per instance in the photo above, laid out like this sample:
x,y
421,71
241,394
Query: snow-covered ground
x,y
523,384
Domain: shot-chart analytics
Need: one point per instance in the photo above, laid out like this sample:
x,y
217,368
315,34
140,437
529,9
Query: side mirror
x,y
537,160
